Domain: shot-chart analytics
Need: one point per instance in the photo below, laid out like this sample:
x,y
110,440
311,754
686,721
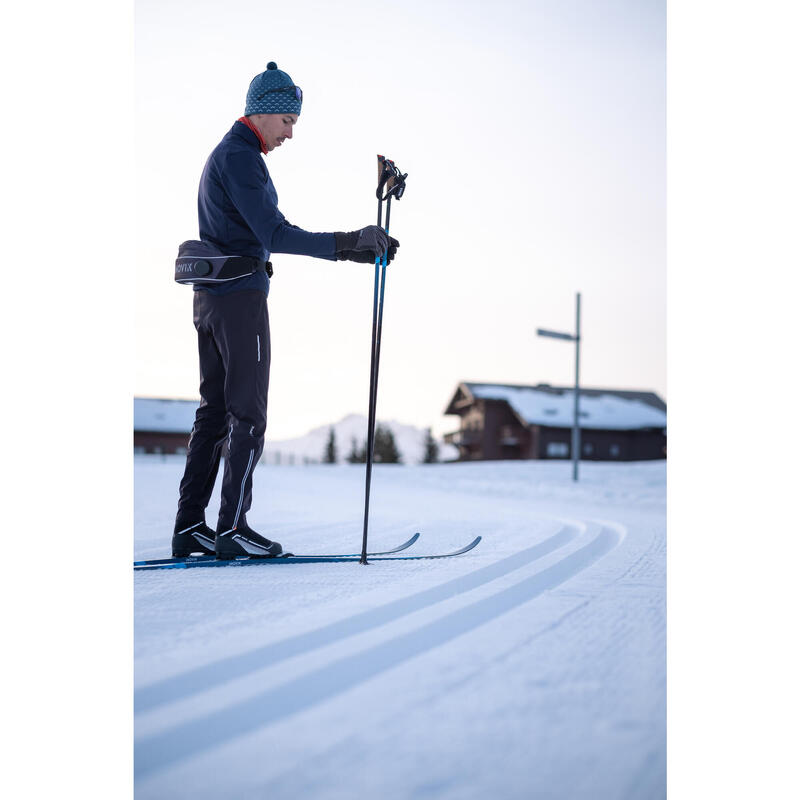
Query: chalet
x,y
535,422
162,426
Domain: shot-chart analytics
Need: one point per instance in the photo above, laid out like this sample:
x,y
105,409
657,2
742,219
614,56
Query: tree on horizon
x,y
330,455
357,455
431,449
386,451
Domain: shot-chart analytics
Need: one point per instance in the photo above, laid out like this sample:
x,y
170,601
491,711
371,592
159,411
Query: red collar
x,y
255,131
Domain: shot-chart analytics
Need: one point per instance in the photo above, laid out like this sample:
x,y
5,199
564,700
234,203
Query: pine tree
x,y
357,456
386,451
329,456
431,449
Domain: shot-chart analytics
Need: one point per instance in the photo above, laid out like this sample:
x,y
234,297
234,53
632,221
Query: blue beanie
x,y
273,92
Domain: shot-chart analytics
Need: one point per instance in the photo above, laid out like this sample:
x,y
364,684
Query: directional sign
x,y
554,335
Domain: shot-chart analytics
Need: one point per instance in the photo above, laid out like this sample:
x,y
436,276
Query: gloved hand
x,y
365,245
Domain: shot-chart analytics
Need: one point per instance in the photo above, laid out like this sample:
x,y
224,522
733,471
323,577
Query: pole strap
x,y
390,179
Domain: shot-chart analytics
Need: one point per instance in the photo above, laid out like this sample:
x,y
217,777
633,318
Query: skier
x,y
239,216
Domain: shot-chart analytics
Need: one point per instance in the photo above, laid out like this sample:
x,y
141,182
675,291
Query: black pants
x,y
233,340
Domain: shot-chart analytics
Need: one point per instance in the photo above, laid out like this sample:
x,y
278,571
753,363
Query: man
x,y
238,215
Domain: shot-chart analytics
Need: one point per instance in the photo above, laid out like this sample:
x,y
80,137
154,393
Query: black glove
x,y
365,245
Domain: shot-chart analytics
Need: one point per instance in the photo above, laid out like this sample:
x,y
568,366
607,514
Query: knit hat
x,y
273,92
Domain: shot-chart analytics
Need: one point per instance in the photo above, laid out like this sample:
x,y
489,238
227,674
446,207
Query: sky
x,y
533,135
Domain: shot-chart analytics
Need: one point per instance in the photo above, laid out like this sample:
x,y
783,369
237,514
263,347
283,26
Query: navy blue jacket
x,y
237,206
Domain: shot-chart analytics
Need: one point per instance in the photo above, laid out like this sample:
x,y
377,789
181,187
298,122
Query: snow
x,y
531,667
600,412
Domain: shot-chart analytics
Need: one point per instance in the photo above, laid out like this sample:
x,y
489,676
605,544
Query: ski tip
x,y
474,543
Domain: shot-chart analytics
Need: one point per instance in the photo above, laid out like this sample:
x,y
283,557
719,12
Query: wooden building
x,y
162,426
535,422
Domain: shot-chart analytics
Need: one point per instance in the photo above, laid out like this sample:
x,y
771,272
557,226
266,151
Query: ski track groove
x,y
188,683
504,656
156,752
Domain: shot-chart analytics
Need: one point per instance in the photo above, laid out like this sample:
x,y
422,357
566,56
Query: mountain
x,y
410,442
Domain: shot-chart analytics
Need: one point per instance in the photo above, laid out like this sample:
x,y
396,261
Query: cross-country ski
x,y
167,562
292,559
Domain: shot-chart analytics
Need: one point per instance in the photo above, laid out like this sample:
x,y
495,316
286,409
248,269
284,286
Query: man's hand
x,y
365,245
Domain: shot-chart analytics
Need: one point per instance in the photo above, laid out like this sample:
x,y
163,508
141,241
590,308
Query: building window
x,y
613,451
557,450
588,448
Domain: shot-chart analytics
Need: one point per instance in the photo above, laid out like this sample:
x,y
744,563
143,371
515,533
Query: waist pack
x,y
203,263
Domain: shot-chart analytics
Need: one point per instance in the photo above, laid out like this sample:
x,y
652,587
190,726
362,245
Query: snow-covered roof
x,y
163,416
556,408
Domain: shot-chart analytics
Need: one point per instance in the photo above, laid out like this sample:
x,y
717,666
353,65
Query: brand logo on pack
x,y
197,263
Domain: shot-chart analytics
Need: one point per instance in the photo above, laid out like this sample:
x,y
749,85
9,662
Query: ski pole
x,y
390,177
375,362
372,390
380,313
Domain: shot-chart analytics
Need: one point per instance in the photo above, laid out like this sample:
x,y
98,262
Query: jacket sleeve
x,y
244,178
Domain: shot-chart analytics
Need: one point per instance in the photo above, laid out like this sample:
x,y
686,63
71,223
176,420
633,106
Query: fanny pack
x,y
202,262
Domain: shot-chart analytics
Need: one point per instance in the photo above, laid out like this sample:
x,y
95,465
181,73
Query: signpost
x,y
568,337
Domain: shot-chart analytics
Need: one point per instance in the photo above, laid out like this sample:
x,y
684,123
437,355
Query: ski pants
x,y
234,346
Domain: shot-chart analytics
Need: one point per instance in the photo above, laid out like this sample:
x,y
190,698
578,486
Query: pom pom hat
x,y
273,92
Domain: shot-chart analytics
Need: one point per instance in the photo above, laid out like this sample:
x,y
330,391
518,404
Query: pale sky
x,y
533,134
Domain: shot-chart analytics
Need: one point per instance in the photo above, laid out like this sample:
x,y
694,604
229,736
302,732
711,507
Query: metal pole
x,y
372,392
576,429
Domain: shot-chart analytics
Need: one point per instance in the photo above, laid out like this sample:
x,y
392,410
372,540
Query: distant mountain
x,y
410,442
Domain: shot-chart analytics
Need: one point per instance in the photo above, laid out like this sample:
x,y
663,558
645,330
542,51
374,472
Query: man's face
x,y
275,128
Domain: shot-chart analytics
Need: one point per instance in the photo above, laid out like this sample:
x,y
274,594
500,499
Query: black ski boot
x,y
242,541
188,539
